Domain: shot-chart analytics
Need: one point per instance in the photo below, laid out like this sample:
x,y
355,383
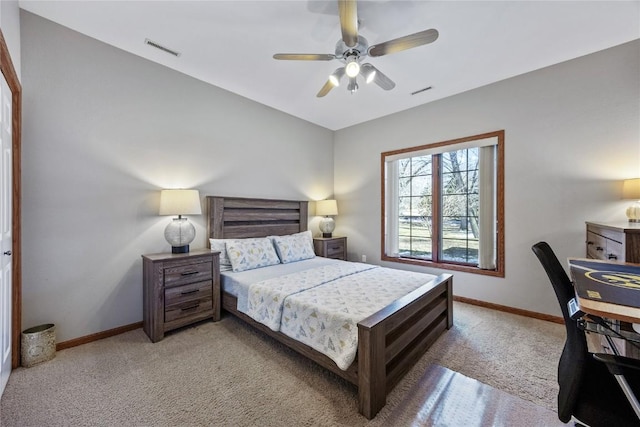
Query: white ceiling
x,y
230,44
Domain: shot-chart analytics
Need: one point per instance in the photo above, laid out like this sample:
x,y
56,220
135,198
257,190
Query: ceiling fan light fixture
x,y
352,49
335,77
353,85
352,68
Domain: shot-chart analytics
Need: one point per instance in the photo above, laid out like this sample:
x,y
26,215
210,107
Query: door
x,y
5,233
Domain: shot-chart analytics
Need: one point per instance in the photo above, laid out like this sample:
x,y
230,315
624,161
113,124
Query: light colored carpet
x,y
226,374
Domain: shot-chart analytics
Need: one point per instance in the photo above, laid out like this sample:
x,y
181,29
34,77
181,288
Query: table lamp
x,y
327,208
631,190
180,232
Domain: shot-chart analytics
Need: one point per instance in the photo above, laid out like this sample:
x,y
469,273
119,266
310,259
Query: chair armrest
x,y
616,364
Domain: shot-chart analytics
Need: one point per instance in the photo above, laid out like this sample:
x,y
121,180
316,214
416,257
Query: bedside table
x,y
331,247
179,289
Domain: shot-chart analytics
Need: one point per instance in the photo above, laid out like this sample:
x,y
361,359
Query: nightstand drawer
x,y
194,272
331,247
335,249
187,293
188,309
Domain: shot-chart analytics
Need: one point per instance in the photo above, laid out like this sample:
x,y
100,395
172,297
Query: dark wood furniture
x,y
179,289
331,247
614,241
390,341
618,242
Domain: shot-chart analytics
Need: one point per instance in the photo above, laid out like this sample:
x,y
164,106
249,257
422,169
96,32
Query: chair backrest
x,y
573,361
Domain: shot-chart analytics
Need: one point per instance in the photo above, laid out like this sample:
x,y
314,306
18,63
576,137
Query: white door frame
x,y
9,72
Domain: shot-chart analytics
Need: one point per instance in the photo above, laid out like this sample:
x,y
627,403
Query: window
x,y
443,204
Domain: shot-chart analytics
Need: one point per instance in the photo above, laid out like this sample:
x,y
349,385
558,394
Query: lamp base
x,y
180,249
633,212
179,233
327,225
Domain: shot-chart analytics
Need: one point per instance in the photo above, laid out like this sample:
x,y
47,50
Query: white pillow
x,y
294,247
247,254
219,245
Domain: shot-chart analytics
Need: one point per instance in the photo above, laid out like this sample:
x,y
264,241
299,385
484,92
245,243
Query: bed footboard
x,y
392,340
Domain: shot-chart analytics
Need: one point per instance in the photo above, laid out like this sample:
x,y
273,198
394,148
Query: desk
x,y
607,289
610,290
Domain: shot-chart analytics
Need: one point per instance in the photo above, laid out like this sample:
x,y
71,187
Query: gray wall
x,y
571,135
103,132
10,25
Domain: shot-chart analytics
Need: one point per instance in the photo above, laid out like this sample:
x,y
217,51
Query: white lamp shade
x,y
631,189
180,202
326,207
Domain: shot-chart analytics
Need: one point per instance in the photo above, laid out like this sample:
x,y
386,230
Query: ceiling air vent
x,y
159,46
421,90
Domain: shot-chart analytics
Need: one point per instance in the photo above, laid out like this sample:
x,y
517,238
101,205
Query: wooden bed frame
x,y
390,341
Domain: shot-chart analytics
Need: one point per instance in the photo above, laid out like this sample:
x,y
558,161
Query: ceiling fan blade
x,y
404,43
325,89
379,78
348,10
305,56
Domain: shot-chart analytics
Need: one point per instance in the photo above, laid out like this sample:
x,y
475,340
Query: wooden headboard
x,y
236,218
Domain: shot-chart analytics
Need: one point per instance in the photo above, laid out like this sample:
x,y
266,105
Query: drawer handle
x,y
188,273
589,243
190,292
191,307
613,256
599,248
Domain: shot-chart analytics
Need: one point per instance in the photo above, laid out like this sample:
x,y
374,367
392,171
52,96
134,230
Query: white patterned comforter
x,y
266,298
321,307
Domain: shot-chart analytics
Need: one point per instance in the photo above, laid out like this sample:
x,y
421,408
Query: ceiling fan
x,y
352,49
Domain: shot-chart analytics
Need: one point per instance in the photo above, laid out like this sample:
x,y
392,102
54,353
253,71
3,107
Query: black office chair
x,y
588,389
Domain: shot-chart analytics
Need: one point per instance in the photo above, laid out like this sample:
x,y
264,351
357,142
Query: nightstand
x,y
331,247
179,289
